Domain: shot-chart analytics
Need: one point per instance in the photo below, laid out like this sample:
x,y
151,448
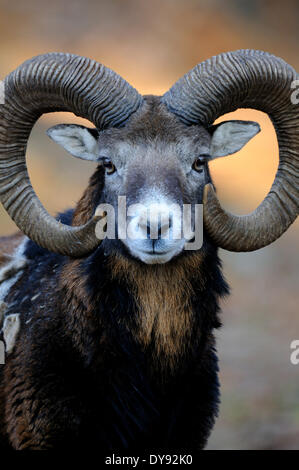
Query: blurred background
x,y
151,44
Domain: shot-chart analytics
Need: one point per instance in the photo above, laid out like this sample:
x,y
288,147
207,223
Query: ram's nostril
x,y
155,225
159,231
156,231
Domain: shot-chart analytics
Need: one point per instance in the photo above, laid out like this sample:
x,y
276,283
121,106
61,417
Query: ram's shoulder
x,y
12,258
9,244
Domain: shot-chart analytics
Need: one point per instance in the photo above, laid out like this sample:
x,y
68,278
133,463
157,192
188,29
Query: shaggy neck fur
x,y
163,313
165,318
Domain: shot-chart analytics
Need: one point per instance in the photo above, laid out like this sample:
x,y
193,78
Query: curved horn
x,y
247,79
48,83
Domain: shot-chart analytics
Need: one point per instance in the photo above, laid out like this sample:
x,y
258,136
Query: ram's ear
x,y
230,136
79,141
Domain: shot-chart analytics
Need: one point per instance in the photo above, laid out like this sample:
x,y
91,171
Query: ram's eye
x,y
109,167
198,164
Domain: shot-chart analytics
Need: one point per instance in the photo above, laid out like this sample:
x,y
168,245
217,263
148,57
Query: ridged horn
x,y
48,83
246,79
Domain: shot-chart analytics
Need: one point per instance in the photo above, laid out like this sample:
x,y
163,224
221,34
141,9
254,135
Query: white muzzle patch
x,y
155,229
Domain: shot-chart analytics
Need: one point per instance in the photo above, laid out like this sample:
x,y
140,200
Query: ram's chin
x,y
156,257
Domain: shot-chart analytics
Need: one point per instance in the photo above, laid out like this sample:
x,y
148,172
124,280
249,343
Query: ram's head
x,y
153,150
161,167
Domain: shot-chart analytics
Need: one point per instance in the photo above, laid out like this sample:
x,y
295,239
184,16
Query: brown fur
x,y
73,284
8,245
163,295
3,309
85,209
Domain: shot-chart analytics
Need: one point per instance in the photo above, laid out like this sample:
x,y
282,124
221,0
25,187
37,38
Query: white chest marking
x,y
9,275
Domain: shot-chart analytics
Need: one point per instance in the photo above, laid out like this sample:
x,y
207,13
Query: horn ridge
x,y
48,83
247,79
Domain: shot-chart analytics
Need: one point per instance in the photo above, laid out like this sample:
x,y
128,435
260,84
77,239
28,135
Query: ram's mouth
x,y
154,258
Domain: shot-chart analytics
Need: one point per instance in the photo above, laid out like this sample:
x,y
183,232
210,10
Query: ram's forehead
x,y
154,129
123,152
